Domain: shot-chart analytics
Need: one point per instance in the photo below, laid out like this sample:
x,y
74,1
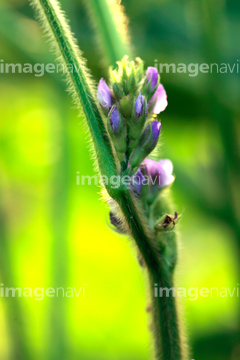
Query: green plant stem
x,y
167,332
80,83
165,319
140,233
112,41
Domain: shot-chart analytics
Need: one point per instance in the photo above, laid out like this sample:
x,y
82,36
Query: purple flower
x,y
159,100
156,127
137,182
159,172
104,94
152,75
114,118
139,104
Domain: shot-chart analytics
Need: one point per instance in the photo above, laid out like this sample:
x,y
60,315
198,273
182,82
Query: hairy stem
x,y
165,319
141,234
164,315
80,83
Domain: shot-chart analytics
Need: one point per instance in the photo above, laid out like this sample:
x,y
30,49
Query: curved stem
x,y
167,336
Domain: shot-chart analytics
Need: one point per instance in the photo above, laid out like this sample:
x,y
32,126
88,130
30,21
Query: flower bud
x,y
127,77
114,119
118,90
158,102
139,103
117,223
114,220
138,119
117,130
152,76
104,94
155,127
146,144
126,106
137,182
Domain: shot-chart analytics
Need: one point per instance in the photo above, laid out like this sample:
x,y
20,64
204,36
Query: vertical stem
x,y
165,318
167,337
112,34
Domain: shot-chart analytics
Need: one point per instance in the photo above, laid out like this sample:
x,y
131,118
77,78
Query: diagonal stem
x,y
80,83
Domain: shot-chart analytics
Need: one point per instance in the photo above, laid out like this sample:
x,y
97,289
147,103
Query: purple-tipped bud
x,y
152,75
138,182
159,100
139,104
156,127
114,118
146,144
104,94
115,221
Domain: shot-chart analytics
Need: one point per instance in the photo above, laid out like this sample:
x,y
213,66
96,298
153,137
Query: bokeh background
x,y
54,233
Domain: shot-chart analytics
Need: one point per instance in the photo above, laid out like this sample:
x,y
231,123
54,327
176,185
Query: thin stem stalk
x,y
167,337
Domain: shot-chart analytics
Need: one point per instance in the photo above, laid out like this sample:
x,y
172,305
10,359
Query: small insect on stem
x,y
169,219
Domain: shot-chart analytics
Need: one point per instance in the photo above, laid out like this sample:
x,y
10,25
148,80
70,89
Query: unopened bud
x,y
146,144
117,130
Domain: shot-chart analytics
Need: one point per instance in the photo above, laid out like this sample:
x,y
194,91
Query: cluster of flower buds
x,y
131,103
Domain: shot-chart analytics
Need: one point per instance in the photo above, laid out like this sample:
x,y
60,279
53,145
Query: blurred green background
x,y
54,233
